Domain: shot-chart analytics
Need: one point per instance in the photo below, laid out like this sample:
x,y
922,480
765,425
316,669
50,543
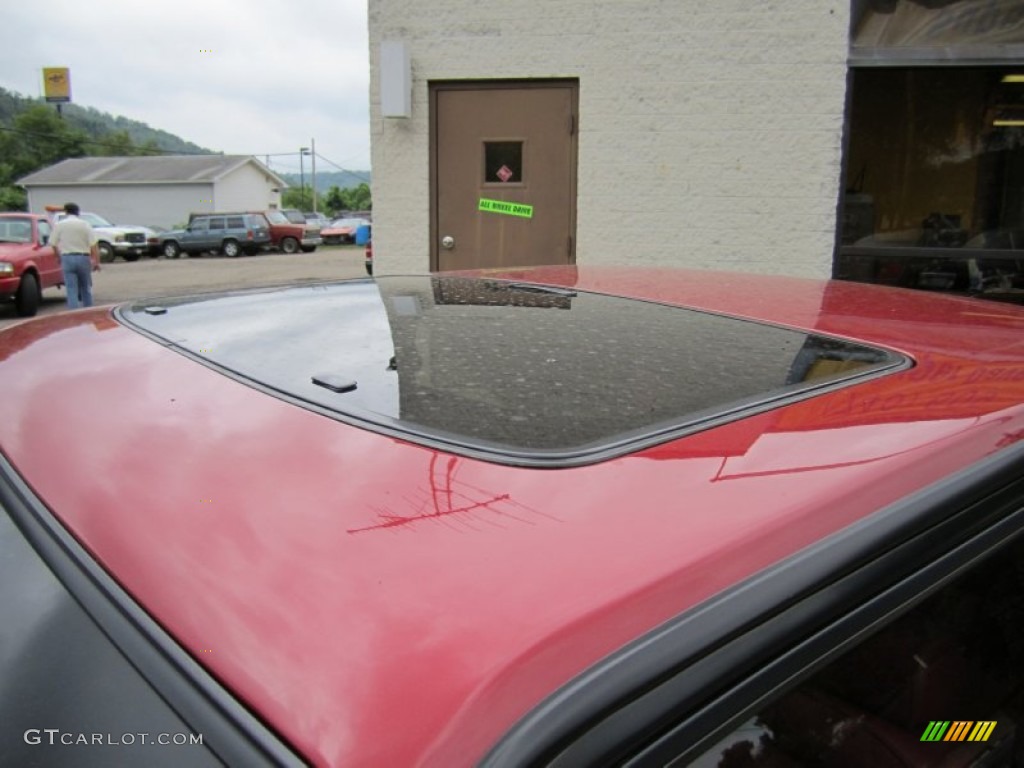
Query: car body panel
x,y
281,227
30,254
312,225
343,230
390,583
210,231
126,240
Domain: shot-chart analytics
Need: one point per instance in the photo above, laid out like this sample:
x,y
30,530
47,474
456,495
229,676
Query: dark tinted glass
x,y
941,686
510,368
503,161
217,222
236,222
58,671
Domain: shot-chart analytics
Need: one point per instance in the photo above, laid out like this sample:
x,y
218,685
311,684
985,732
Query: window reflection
x,y
935,181
958,655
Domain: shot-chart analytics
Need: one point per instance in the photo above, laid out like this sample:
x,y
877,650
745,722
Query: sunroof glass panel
x,y
520,371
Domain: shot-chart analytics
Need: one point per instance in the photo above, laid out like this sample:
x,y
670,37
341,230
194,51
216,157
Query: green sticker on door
x,y
508,209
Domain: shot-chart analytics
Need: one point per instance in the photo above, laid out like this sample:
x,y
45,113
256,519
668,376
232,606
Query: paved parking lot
x,y
121,281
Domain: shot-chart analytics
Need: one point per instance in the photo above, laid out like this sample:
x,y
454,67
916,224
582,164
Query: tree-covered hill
x,y
34,136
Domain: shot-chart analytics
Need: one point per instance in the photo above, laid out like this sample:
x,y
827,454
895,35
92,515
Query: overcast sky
x,y
239,76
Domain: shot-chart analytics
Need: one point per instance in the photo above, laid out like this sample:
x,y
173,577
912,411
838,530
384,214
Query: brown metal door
x,y
504,174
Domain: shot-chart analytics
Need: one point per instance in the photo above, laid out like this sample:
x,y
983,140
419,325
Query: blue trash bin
x,y
362,234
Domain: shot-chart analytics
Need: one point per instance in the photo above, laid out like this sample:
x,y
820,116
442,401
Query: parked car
x,y
28,264
559,516
153,246
296,216
291,237
128,241
317,219
342,231
230,234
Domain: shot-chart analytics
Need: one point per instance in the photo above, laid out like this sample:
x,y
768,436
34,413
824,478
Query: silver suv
x,y
230,234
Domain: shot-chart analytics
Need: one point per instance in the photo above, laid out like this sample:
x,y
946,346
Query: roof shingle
x,y
166,169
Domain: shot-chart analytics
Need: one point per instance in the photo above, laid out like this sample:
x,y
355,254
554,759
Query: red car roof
x,y
385,603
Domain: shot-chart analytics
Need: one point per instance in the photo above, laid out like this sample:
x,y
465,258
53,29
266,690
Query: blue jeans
x,y
77,279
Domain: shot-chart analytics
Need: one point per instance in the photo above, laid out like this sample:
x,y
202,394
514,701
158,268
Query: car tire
x,y
131,257
290,245
308,248
26,301
231,249
171,250
106,252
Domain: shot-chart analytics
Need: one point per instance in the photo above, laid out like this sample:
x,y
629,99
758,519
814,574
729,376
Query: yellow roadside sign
x,y
57,84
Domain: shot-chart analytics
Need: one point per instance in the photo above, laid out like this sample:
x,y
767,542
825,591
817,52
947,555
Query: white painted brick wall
x,y
709,132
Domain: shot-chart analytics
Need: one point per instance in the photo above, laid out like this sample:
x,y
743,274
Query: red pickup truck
x,y
28,264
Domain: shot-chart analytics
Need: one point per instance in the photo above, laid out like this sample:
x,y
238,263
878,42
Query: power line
x,y
82,140
360,176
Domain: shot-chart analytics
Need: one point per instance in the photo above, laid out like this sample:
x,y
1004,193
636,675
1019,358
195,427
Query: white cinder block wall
x,y
709,130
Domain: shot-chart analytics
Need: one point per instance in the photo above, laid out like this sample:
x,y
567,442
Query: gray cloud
x,y
259,76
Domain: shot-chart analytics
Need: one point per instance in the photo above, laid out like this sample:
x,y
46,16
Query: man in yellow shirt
x,y
76,244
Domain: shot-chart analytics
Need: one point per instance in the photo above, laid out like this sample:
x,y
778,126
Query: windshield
x,y
295,217
96,221
276,217
15,231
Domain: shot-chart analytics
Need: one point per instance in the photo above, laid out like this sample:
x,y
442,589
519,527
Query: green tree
x,y
351,199
293,197
44,139
334,200
13,198
359,198
114,144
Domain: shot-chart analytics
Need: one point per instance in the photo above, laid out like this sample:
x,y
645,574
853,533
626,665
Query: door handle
x,y
448,242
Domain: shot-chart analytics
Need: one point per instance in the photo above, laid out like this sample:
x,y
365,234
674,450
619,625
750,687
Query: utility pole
x,y
303,151
312,143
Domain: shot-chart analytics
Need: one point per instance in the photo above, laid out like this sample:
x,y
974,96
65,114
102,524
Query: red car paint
x,y
383,603
33,256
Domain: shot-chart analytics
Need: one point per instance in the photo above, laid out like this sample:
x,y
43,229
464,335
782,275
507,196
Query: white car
x,y
128,242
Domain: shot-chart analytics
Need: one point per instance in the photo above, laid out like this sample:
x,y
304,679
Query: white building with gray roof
x,y
156,191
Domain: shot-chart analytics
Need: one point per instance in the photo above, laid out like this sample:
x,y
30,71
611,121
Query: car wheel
x,y
106,252
131,257
290,245
308,248
231,249
171,250
26,301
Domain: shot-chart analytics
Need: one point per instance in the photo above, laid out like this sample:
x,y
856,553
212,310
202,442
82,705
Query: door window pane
x,y
942,685
503,161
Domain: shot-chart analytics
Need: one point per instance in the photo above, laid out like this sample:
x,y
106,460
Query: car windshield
x,y
522,373
15,231
276,217
96,221
295,217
